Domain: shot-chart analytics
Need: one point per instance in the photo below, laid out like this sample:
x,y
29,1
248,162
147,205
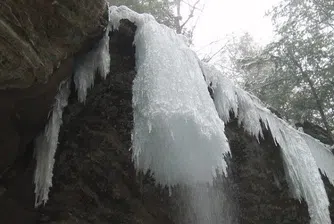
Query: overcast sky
x,y
223,17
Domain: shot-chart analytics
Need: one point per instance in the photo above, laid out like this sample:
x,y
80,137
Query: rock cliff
x,y
94,179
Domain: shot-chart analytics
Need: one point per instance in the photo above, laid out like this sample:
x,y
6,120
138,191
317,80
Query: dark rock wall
x,y
94,179
27,90
315,131
38,43
258,174
37,34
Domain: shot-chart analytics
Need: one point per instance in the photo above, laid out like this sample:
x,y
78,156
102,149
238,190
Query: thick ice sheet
x,y
298,149
46,145
177,131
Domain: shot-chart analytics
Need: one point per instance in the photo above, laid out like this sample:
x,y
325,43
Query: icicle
x,y
177,131
225,96
322,155
299,151
98,59
46,145
302,170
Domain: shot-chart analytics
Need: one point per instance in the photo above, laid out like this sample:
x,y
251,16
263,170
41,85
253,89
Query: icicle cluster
x,y
98,59
299,151
171,126
177,131
46,145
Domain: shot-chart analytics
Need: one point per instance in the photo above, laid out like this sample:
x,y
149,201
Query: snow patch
x,y
177,132
299,151
46,145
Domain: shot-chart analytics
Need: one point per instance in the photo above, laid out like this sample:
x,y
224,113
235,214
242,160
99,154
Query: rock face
x,y
257,173
37,46
315,131
36,35
94,179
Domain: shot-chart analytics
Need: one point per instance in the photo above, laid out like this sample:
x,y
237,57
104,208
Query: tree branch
x,y
191,14
217,52
315,95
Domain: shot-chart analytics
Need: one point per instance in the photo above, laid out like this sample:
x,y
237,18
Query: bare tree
x,y
178,19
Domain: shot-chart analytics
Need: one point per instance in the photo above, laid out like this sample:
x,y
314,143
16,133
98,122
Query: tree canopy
x,y
295,72
167,12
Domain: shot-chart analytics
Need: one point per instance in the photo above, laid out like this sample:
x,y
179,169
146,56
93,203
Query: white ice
x,y
177,131
97,60
322,155
46,145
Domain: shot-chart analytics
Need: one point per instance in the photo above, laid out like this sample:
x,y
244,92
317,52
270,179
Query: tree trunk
x,y
316,97
178,17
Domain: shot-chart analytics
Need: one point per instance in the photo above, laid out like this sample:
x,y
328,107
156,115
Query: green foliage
x,y
299,81
304,55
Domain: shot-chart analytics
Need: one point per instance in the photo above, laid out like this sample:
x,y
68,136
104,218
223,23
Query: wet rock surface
x,y
36,35
94,179
257,172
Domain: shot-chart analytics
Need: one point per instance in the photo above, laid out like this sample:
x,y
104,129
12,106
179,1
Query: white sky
x,y
223,17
